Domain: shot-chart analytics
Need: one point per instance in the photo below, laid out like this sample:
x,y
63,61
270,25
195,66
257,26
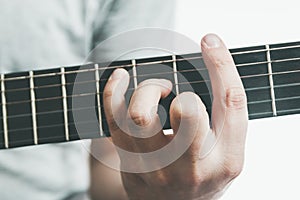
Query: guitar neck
x,y
40,107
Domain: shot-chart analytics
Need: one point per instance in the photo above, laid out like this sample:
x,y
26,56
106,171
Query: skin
x,y
191,176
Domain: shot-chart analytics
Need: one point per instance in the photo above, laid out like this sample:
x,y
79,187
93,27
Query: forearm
x,y
106,183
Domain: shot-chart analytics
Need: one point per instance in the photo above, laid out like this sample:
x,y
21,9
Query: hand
x,y
191,176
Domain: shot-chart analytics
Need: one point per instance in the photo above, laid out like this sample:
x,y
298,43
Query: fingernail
x,y
117,74
212,41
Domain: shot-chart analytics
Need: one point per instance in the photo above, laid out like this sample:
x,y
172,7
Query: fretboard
x,y
37,107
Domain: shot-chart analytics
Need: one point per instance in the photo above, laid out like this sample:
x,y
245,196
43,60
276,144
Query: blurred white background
x,y
272,167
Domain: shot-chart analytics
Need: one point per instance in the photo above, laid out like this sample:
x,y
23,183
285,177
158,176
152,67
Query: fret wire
x,y
175,74
167,61
65,104
97,78
33,109
135,82
4,112
270,72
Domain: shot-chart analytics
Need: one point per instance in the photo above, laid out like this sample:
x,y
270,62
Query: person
x,y
48,33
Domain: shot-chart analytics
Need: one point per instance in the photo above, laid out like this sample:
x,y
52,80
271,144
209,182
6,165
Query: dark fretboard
x,y
37,107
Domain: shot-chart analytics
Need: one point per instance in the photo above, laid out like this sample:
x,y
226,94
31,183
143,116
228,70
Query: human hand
x,y
191,176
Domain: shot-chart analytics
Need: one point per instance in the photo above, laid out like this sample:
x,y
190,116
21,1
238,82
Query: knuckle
x,y
112,124
233,170
140,118
108,93
194,181
236,98
224,62
162,180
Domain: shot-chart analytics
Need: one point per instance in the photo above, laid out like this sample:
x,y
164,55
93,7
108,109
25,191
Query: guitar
x,y
36,106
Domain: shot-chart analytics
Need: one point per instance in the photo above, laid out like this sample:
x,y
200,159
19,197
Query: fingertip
x,y
118,73
211,40
167,83
116,86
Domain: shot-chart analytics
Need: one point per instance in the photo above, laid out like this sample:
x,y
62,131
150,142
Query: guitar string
x,y
180,84
146,75
157,62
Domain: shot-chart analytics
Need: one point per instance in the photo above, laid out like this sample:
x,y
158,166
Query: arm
x,y
106,182
192,175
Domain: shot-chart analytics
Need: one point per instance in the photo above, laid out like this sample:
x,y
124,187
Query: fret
x,y
155,70
97,78
49,106
175,74
104,74
65,106
271,81
4,113
257,87
19,110
255,54
191,77
81,103
134,74
33,108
